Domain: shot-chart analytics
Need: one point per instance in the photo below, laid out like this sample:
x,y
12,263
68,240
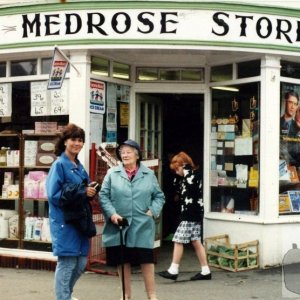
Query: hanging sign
x,y
38,97
5,99
97,96
58,69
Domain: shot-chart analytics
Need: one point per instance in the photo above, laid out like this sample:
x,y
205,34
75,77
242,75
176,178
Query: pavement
x,y
28,284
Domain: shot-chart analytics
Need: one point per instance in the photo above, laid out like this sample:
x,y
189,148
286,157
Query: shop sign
x,y
157,25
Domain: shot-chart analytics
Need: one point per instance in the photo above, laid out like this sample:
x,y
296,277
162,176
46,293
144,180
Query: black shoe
x,y
167,275
199,276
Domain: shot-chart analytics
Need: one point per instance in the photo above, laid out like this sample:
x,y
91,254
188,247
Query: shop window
x,y
192,75
289,160
290,69
46,65
248,69
121,71
147,74
234,149
221,73
2,69
24,68
100,66
170,74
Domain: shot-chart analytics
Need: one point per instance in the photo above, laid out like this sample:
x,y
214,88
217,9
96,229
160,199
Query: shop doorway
x,y
183,116
181,122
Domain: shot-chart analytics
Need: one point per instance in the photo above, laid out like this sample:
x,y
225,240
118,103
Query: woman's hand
x,y
90,191
114,219
149,213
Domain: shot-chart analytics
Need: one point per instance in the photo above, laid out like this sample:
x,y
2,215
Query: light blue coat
x,y
131,199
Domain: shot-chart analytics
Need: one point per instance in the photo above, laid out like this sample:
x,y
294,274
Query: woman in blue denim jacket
x,y
69,245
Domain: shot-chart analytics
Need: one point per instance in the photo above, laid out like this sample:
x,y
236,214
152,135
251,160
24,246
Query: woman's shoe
x,y
167,275
199,276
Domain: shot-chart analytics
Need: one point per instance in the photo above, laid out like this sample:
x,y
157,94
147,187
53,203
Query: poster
x,y
124,115
40,105
97,96
5,100
290,124
59,100
96,129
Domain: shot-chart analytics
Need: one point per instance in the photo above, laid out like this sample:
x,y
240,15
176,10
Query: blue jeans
x,y
67,272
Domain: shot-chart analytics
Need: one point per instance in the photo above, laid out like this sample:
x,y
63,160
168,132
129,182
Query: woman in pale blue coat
x,y
131,190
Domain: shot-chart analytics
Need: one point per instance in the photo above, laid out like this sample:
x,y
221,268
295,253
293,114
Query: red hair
x,y
180,160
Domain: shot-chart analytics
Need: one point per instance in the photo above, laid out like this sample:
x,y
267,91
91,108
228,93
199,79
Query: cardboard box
x,y
232,257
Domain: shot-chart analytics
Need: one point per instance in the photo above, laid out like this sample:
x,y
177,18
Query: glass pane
x,y
248,69
221,73
290,69
2,69
100,66
147,74
192,75
46,65
167,74
234,164
121,71
289,159
23,68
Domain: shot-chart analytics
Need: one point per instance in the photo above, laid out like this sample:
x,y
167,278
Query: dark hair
x,y
288,94
181,159
71,131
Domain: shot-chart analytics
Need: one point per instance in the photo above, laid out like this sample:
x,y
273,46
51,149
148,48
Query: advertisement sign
x,y
58,69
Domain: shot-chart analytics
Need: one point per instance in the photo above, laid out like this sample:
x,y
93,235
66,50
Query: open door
x,y
149,135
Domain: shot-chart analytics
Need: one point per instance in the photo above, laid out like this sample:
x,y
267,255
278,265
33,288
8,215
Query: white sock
x,y
174,269
205,270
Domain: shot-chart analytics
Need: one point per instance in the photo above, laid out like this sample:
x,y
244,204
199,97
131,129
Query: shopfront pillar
x,y
79,93
269,137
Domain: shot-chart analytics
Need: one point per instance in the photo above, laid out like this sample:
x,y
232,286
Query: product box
x,y
46,146
45,159
12,191
232,257
8,178
13,225
45,127
12,158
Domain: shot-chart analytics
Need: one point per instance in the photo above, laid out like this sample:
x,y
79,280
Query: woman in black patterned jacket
x,y
189,188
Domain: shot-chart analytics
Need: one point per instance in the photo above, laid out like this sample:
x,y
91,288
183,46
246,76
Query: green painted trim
x,y
87,5
116,42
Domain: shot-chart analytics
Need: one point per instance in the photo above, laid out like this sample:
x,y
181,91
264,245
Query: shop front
x,y
217,80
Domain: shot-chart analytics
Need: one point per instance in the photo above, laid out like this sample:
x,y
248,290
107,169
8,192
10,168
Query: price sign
x,y
5,99
39,98
59,100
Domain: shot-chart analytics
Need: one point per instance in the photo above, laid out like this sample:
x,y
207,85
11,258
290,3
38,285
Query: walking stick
x,y
122,223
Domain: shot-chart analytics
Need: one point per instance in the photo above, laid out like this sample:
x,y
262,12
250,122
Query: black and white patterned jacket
x,y
189,188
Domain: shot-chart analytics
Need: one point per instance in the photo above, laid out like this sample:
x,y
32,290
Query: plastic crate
x,y
232,257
